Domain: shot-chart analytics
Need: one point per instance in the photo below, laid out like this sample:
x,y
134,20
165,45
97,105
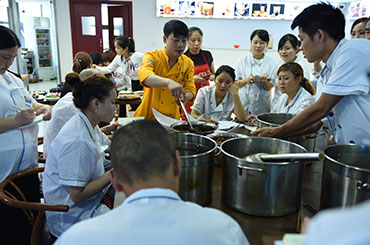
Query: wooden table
x,y
122,105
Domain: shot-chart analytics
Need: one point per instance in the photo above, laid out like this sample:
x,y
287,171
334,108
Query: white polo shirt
x,y
205,102
301,101
340,226
157,216
74,160
254,97
345,74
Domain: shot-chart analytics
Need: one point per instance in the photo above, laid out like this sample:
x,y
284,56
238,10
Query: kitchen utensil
x,y
346,175
186,114
197,154
261,188
286,157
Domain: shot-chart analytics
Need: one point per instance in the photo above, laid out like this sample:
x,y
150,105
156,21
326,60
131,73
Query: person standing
x,y
167,74
255,75
204,69
18,147
125,65
343,92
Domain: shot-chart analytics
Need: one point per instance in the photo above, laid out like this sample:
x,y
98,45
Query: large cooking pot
x,y
277,119
261,188
197,153
346,175
201,128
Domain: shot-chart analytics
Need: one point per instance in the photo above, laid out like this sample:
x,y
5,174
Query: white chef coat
x,y
74,159
157,216
301,101
18,147
254,97
340,226
129,66
205,102
345,74
62,111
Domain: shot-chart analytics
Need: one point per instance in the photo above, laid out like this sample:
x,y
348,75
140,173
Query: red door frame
x,y
71,11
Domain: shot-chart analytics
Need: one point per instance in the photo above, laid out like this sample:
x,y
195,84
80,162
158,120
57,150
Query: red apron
x,y
202,71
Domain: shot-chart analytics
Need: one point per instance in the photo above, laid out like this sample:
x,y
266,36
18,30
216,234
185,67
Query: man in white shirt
x,y
147,169
343,91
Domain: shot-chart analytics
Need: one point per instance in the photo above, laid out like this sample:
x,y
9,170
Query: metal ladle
x,y
284,157
186,114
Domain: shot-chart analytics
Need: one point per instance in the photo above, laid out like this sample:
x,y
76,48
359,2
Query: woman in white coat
x,y
256,75
297,91
125,65
18,147
219,101
74,173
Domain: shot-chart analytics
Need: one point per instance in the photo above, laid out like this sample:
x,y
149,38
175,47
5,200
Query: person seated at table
x,y
339,226
297,91
219,101
167,74
74,172
97,58
81,61
153,212
108,57
125,65
18,147
358,28
65,109
367,29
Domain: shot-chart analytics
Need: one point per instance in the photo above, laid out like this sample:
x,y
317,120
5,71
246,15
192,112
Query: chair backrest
x,y
19,200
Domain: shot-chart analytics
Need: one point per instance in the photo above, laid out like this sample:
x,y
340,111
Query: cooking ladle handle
x,y
289,157
250,168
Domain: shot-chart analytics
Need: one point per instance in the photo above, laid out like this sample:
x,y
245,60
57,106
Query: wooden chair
x,y
40,141
10,199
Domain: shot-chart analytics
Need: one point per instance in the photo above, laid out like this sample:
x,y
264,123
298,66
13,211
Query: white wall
x,y
64,37
219,35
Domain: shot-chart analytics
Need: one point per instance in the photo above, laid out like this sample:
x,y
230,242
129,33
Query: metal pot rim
x,y
345,165
271,113
259,163
203,153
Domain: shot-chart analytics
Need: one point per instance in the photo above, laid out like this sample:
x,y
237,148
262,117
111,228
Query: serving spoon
x,y
186,114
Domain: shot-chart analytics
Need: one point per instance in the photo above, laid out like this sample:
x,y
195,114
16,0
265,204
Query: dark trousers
x,y
15,228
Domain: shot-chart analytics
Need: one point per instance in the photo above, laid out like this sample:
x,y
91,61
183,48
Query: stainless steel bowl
x,y
201,128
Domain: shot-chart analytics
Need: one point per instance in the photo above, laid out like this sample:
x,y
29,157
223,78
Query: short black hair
x,y
141,150
228,69
194,29
8,38
263,34
177,27
291,38
97,58
321,16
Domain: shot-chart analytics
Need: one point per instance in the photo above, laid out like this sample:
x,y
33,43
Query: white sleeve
x,y
240,69
349,75
200,101
112,66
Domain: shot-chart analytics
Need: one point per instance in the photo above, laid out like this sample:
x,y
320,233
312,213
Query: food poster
x,y
167,8
207,8
294,9
242,9
354,10
259,10
224,9
186,8
277,11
